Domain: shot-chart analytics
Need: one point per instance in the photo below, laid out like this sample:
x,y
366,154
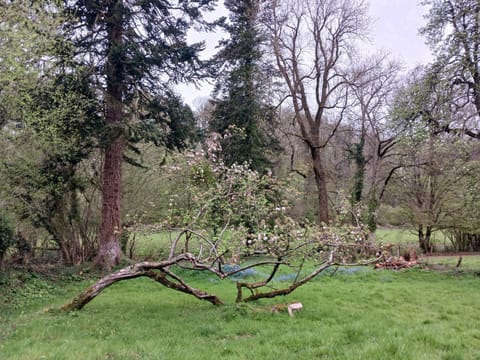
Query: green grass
x,y
156,244
396,236
470,263
153,244
365,315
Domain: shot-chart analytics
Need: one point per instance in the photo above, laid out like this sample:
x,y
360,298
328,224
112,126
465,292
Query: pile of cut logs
x,y
396,263
407,261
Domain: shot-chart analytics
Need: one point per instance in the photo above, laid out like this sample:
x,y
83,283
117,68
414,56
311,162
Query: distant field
x,y
154,244
468,263
147,241
396,236
407,236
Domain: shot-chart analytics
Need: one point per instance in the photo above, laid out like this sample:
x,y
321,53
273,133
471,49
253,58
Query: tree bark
x,y
109,253
321,182
284,291
424,238
157,271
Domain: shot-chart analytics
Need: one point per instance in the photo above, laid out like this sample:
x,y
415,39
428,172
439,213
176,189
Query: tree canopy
x,y
243,107
134,52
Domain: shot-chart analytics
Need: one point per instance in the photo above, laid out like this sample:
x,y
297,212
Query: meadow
x,y
405,236
360,314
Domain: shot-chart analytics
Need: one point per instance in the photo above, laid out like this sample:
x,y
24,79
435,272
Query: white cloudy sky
x,y
394,28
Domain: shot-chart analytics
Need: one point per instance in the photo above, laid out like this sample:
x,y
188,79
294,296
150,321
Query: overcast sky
x,y
394,28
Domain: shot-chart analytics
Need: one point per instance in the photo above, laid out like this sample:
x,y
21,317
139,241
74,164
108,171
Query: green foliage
x,y
241,90
219,197
356,152
63,116
437,162
164,121
52,90
181,123
26,290
131,65
53,126
28,36
53,193
422,106
452,30
7,234
371,218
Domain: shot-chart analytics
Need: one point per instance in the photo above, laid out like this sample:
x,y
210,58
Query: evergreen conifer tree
x,y
135,50
241,93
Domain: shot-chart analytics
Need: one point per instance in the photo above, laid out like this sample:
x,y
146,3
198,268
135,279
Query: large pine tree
x,y
135,50
241,92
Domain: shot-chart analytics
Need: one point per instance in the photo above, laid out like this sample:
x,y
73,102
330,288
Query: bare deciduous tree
x,y
313,43
373,150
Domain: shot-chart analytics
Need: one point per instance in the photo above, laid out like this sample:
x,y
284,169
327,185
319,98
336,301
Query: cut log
x,y
294,307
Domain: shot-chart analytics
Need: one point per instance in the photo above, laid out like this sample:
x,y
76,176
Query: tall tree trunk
x,y
321,182
424,238
109,253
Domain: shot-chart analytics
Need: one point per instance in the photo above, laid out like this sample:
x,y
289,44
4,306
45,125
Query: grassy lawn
x,y
153,244
366,314
396,236
469,262
407,236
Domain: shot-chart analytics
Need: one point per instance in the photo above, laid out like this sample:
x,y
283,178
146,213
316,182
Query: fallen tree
x,y
249,228
284,254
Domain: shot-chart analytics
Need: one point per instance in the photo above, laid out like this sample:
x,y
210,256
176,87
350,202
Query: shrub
x,y
7,235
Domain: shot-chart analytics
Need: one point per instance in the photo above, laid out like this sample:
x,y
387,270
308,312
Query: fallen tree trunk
x,y
211,260
279,292
157,271
299,281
